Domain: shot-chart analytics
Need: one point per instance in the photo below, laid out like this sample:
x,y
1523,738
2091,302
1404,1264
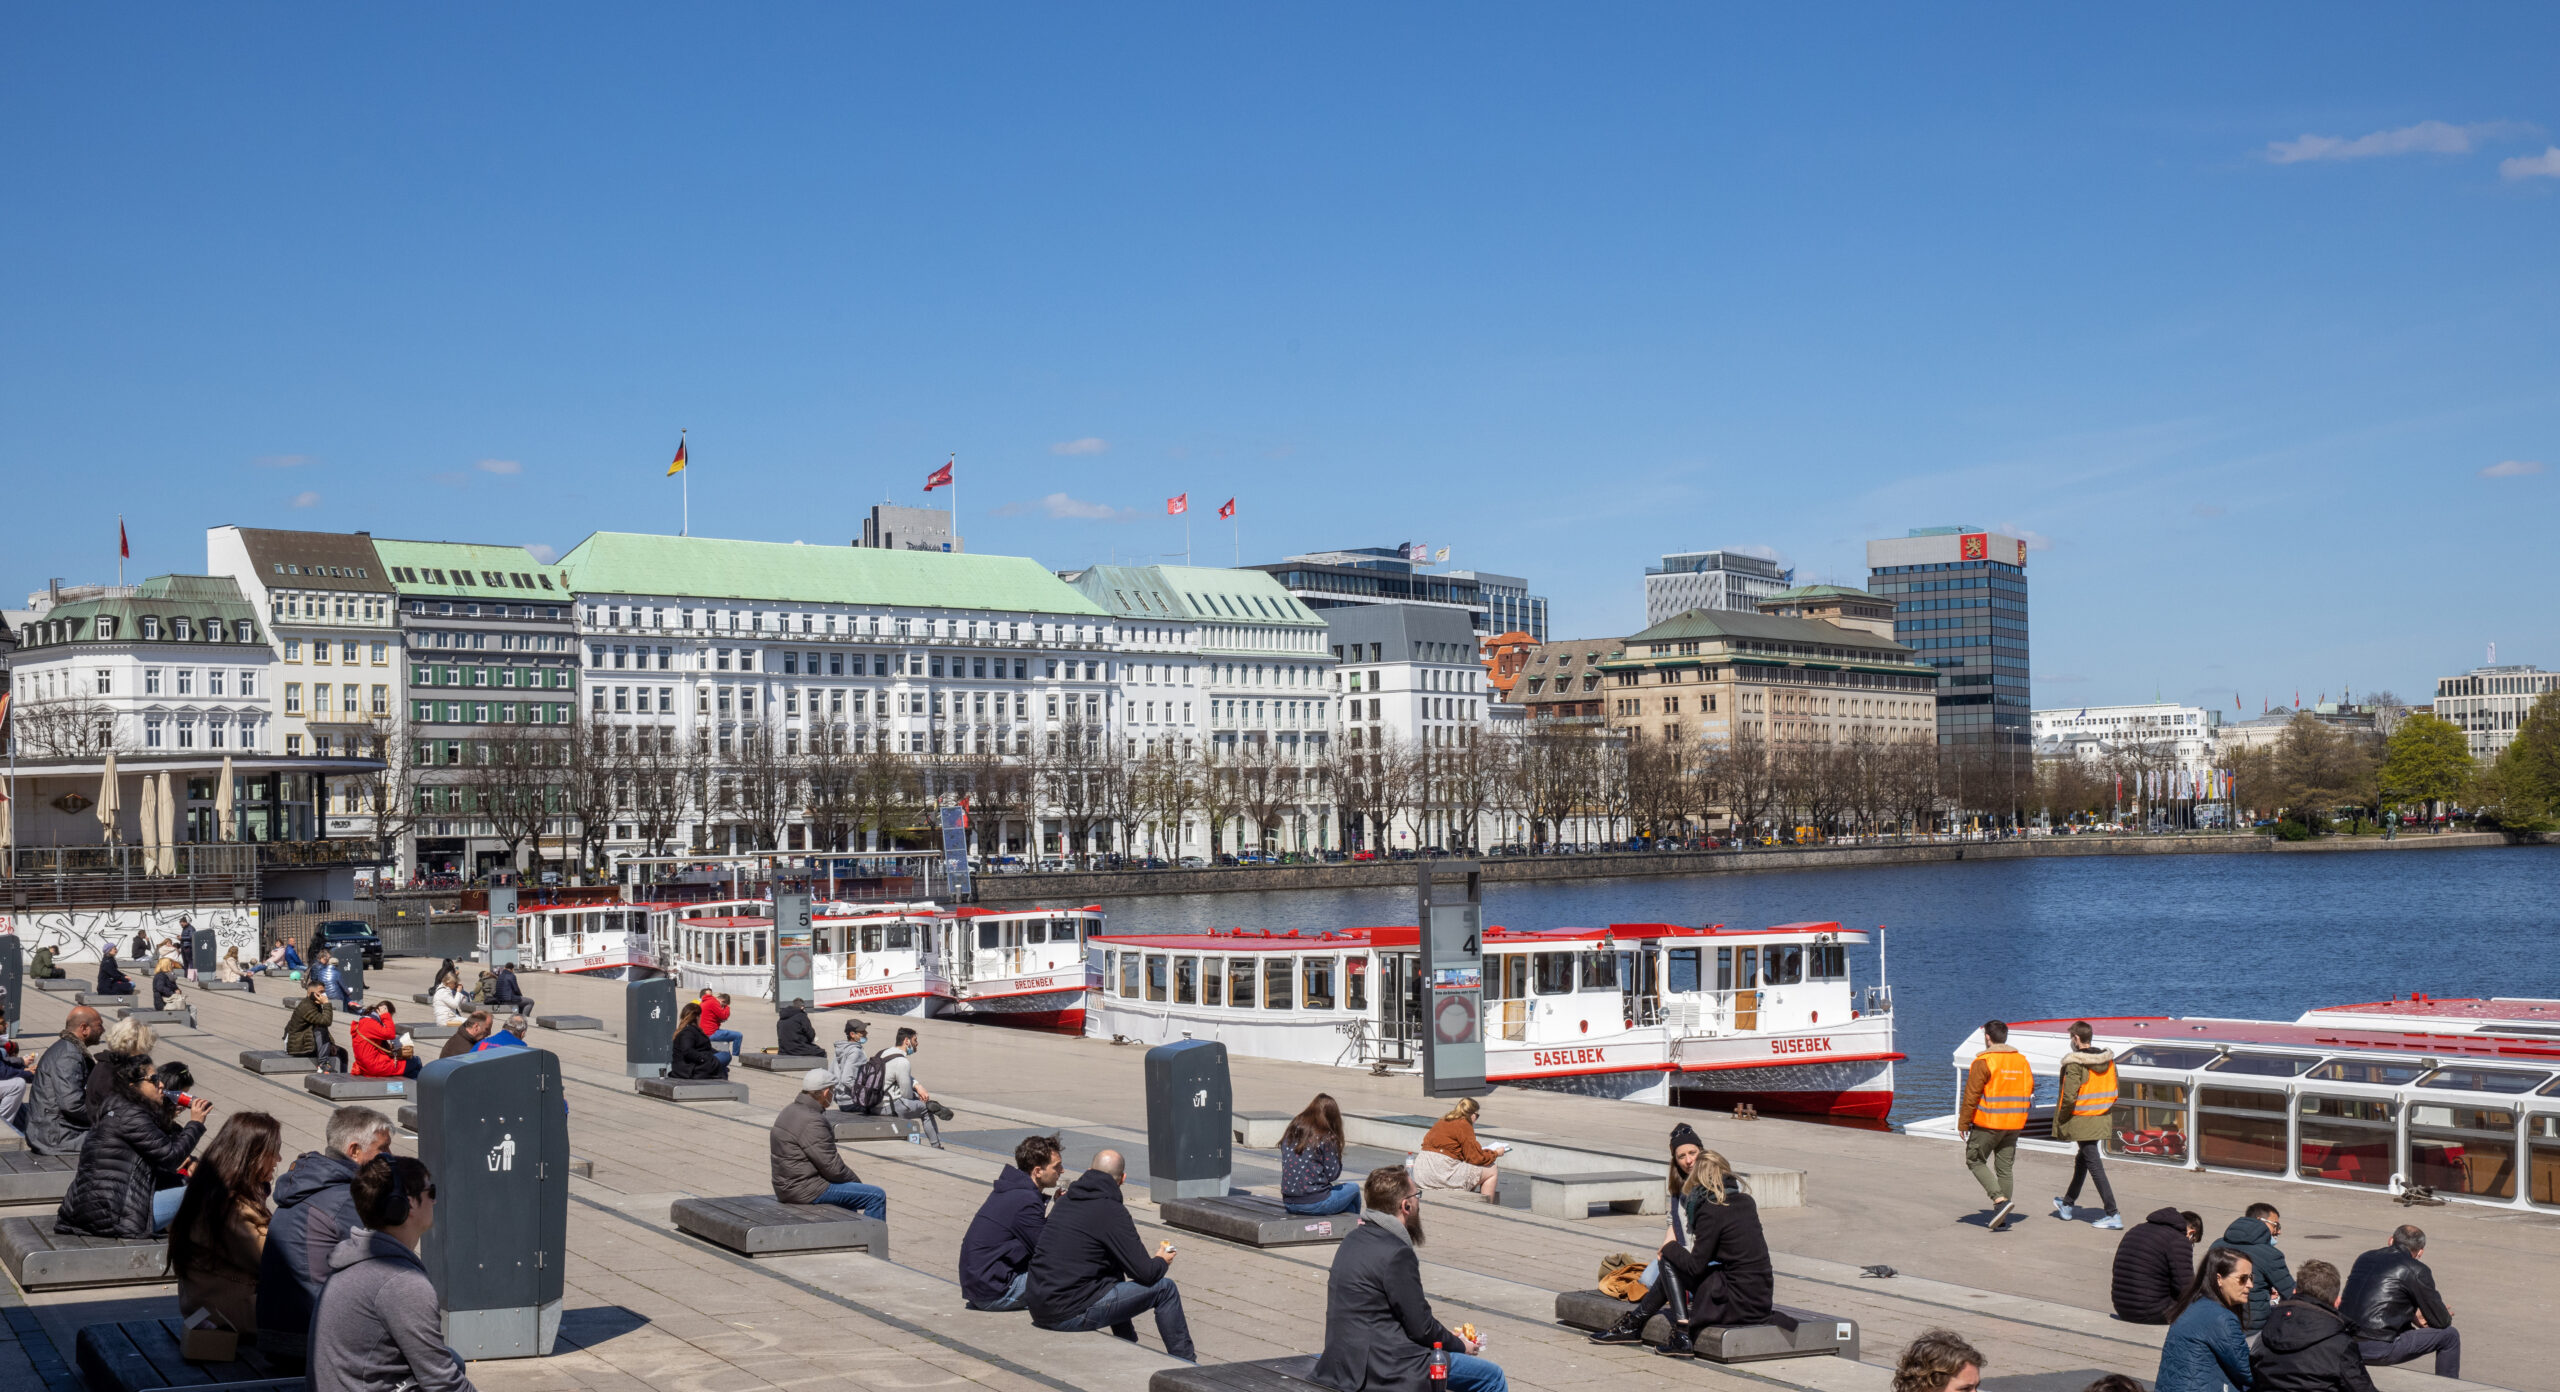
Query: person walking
x,y
58,1115
2152,1265
379,1323
692,1058
2082,1116
2391,1299
1379,1330
1452,1158
2206,1350
2307,1346
187,945
906,1097
995,1253
2254,1234
314,1210
1998,1089
1724,1276
136,1140
221,1229
1091,1272
1311,1162
807,1167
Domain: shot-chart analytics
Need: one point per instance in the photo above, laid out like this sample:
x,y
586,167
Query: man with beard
x,y
1090,1271
1378,1327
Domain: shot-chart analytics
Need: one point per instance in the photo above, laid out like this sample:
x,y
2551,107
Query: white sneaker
x,y
2062,1210
2113,1222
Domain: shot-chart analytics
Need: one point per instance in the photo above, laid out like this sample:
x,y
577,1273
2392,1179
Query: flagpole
x,y
684,477
121,546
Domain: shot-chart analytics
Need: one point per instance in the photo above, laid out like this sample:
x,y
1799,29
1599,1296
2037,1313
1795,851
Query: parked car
x,y
344,935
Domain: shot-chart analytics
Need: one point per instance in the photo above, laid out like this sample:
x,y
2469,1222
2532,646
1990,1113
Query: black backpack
x,y
871,1082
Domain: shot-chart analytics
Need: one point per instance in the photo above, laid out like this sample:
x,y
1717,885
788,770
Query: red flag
x,y
1229,510
124,548
1178,504
940,476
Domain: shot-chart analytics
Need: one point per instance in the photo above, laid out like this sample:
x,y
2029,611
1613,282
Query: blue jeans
x,y
732,1038
1121,1304
1015,1296
870,1200
1468,1373
164,1207
1344,1198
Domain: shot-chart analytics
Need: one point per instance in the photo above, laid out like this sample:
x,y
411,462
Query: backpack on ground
x,y
1621,1276
871,1083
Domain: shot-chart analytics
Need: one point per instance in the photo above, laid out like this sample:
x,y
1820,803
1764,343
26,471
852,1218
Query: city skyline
x,y
2262,376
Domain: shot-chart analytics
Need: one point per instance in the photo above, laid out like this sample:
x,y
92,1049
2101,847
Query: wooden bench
x,y
147,1016
1266,1375
852,1126
1572,1195
347,1087
143,1356
759,1226
1255,1221
1260,1130
569,1022
1812,1335
26,1177
782,1063
277,1061
39,1258
690,1089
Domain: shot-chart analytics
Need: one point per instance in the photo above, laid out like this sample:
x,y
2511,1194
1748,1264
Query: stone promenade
x,y
650,1309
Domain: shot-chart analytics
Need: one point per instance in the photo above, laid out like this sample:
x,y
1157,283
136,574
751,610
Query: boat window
x,y
1276,989
1155,976
2349,1070
1355,984
1064,930
1515,976
1724,969
762,941
2261,1065
2347,1140
1599,971
1830,962
2462,1149
1128,975
1213,980
2482,1080
1186,981
1035,933
902,935
987,936
1240,982
1110,971
2149,1122
728,949
871,938
1786,966
1555,972
1493,965
2241,1129
559,924
1319,982
2551,1089
1680,970
2154,1056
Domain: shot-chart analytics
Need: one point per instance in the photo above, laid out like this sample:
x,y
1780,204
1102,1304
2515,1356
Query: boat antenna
x,y
1882,979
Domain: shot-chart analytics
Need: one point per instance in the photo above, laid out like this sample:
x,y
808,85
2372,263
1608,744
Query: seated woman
x,y
111,978
1723,1277
378,1321
453,1004
373,1038
164,985
1451,1158
113,1193
1685,1150
694,1059
1311,1181
221,1229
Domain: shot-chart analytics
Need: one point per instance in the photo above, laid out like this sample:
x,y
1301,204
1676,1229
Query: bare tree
x,y
1750,778
1267,785
514,779
1656,806
1471,779
65,727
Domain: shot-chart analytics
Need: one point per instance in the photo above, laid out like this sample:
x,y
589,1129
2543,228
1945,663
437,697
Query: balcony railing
x,y
200,862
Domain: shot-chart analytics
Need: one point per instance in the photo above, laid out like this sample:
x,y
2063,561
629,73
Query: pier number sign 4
x,y
1451,1004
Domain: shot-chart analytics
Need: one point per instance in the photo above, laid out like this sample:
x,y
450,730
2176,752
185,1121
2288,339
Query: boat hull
x,y
1053,1001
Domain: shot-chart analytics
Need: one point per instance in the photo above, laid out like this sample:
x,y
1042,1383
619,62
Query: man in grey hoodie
x,y
315,1210
379,1324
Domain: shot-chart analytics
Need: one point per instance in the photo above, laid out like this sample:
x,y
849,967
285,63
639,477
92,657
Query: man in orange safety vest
x,y
1998,1089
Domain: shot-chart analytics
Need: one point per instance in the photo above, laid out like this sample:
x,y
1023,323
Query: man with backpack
x,y
905,1097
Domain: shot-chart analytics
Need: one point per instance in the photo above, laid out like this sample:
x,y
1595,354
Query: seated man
x,y
17,1081
476,1026
512,1037
903,1096
315,1209
306,1030
1378,1325
41,967
58,1119
846,1061
502,987
2306,1345
374,1038
806,1166
1091,1272
2391,1299
793,1035
2152,1266
995,1256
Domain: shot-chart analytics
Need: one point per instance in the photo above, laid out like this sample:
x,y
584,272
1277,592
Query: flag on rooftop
x,y
1177,505
1228,509
678,466
941,476
124,548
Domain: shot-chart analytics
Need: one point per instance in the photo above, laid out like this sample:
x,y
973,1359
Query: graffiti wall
x,y
75,935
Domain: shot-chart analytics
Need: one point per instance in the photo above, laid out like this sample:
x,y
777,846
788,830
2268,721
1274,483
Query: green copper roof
x,y
712,568
1702,624
1202,594
1824,592
468,570
195,598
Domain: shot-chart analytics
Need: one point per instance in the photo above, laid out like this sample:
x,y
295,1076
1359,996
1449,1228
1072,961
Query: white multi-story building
x,y
1409,676
2490,702
1689,580
328,610
2184,735
176,663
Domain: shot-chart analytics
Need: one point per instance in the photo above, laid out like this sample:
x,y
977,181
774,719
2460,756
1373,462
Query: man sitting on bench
x,y
1378,1327
1091,1272
806,1167
306,1030
995,1256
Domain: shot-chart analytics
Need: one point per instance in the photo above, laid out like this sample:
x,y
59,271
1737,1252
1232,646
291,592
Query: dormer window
x,y
106,628
213,630
150,629
181,629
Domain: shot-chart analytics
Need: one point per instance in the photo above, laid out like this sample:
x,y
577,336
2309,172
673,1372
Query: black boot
x,y
1628,1330
1679,1345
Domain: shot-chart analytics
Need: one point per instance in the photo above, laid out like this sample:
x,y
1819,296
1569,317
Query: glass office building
x,y
1960,602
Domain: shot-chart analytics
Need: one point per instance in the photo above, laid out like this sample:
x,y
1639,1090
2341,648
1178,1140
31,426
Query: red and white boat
x,y
1651,1012
1028,967
605,940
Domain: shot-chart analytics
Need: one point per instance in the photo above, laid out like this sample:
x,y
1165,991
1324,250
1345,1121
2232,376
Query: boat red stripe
x,y
1796,1061
1577,1072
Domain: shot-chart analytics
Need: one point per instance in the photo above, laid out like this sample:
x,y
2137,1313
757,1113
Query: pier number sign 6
x,y
1452,982
792,946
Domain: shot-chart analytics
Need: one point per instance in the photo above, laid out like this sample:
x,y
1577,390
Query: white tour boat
x,y
605,940
1028,967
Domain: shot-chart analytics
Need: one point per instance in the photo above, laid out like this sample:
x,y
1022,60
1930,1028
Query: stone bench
x,y
759,1226
148,1016
432,1034
1254,1220
1572,1195
10,1140
277,1061
1267,1375
782,1063
347,1087
39,1258
144,1356
89,997
60,983
569,1022
851,1126
211,985
1813,1334
1260,1130
690,1089
26,1177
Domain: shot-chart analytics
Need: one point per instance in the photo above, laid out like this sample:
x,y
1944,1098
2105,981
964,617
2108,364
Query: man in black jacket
x,y
1378,1327
314,1209
793,1034
58,1119
2154,1262
2392,1301
995,1256
2306,1345
1090,1271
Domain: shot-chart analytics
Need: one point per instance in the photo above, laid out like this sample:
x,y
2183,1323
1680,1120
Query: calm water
x,y
2254,936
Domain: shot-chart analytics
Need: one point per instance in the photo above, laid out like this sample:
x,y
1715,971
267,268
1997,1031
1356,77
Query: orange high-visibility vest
x,y
2006,1095
2097,1093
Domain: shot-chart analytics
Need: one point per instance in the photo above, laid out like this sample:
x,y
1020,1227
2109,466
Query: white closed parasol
x,y
168,825
109,803
148,825
222,805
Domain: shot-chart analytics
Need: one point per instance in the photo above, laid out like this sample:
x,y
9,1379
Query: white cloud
x,y
304,500
2036,541
2424,138
282,461
542,553
2542,166
1088,445
1060,505
2512,468
499,466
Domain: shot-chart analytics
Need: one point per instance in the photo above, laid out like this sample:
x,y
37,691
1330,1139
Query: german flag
x,y
678,466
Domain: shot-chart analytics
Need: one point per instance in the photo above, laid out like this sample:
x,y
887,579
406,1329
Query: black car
x,y
344,935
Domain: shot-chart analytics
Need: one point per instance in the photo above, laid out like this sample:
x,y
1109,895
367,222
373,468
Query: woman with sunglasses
x,y
378,1324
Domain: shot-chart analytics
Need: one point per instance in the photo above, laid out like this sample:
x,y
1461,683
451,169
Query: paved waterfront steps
x,y
569,1022
1268,1375
277,1061
89,997
1571,1196
212,985
1254,1220
148,1016
1813,1335
11,1141
432,1034
782,1063
60,983
690,1089
347,1087
143,1356
1260,1130
759,1226
26,1177
851,1126
39,1258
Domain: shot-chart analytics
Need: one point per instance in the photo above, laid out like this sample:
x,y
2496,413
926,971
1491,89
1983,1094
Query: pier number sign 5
x,y
792,946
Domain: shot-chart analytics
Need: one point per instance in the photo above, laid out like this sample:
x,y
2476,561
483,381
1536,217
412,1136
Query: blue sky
x,y
2247,315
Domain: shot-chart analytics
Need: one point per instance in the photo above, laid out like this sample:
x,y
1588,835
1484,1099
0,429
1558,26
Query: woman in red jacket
x,y
374,1039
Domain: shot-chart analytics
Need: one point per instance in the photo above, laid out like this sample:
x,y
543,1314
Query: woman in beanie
x,y
1685,1147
